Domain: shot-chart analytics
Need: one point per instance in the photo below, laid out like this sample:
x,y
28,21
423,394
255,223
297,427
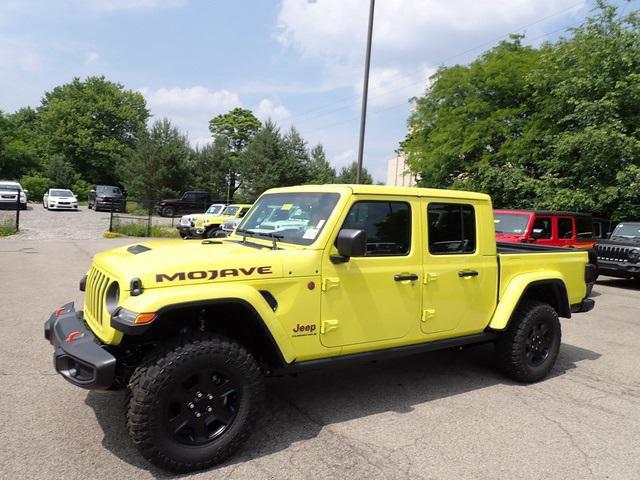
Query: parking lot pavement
x,y
440,415
37,223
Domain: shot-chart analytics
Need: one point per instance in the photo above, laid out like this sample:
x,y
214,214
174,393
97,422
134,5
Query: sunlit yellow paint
x,y
354,306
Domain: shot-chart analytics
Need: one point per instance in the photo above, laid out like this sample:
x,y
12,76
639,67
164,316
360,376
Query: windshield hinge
x,y
329,282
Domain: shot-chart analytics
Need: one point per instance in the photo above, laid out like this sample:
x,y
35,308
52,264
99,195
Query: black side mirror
x,y
350,243
608,235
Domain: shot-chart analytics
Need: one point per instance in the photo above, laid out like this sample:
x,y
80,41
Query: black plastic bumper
x,y
78,355
620,270
585,305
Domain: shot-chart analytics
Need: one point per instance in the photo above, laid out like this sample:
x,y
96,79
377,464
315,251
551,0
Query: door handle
x,y
402,277
467,273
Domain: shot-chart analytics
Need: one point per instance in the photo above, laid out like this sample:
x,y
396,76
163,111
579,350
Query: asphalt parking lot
x,y
439,416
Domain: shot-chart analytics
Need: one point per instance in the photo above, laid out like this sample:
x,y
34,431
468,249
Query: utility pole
x,y
365,92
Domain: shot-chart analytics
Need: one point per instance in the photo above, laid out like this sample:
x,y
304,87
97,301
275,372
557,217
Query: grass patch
x,y
7,228
140,230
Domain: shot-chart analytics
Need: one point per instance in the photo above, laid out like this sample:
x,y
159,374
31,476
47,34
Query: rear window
x,y
452,228
584,227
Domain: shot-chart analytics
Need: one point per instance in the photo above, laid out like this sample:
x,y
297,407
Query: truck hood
x,y
622,242
178,262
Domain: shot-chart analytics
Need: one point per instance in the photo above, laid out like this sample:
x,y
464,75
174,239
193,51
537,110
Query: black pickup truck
x,y
189,202
619,256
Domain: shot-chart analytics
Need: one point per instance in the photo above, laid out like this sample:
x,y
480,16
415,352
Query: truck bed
x,y
506,248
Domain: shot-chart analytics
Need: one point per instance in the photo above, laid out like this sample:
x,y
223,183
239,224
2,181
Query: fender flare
x,y
517,289
163,300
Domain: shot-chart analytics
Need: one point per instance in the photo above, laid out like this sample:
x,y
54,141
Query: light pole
x,y
365,92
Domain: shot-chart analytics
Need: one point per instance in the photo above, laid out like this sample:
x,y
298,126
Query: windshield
x,y
230,210
214,209
13,187
512,223
105,190
291,217
60,193
627,230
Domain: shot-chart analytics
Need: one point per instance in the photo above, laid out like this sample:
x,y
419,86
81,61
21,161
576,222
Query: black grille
x,y
613,253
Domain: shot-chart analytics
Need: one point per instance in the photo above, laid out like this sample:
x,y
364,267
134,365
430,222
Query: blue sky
x,y
296,61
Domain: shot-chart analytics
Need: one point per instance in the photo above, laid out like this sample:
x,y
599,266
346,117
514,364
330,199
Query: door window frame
x,y
427,232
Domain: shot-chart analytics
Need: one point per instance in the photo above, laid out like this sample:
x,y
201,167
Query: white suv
x,y
8,192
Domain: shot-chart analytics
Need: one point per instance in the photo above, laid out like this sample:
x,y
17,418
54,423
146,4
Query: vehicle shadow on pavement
x,y
298,407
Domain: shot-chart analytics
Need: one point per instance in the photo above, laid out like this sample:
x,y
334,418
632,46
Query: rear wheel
x,y
193,404
168,212
528,348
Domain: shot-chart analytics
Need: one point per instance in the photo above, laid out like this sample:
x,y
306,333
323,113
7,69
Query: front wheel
x,y
527,350
194,403
212,232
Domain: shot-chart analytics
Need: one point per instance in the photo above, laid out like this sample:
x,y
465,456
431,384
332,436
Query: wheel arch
x,y
234,317
552,291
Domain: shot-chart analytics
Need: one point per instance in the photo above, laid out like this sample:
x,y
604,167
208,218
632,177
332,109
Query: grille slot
x,y
613,253
97,284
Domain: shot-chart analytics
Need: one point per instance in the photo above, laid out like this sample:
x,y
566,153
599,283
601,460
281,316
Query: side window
x,y
243,212
565,228
452,228
388,226
189,197
542,225
584,227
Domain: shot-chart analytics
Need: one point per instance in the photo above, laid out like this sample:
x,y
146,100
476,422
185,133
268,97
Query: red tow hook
x,y
59,311
73,335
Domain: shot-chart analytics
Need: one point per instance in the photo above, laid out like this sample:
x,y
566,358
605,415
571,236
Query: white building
x,y
398,174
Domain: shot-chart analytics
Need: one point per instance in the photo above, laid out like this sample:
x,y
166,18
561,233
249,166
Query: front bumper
x,y
58,206
78,355
618,269
197,232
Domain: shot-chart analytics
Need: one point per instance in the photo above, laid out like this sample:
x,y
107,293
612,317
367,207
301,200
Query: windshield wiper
x,y
253,233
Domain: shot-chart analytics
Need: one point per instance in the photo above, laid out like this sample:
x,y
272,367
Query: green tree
x,y
20,143
36,184
92,123
209,166
237,127
268,162
297,160
348,175
320,170
60,171
554,127
158,167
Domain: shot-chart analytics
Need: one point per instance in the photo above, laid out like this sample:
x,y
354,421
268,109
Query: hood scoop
x,y
136,249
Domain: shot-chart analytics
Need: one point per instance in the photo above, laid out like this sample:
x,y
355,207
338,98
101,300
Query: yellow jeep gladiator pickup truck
x,y
363,273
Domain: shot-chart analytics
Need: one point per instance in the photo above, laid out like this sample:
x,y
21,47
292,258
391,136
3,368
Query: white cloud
x,y
267,109
344,158
394,85
191,108
335,29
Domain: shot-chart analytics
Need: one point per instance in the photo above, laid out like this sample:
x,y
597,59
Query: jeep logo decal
x,y
213,274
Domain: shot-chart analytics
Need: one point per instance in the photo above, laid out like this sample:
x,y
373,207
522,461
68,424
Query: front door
x,y
375,297
460,272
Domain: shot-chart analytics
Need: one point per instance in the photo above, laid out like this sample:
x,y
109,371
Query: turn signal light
x,y
143,318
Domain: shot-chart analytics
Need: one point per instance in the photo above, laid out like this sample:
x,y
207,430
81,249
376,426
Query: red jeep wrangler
x,y
558,229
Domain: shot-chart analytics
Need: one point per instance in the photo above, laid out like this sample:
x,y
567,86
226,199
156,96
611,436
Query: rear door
x,y
460,268
565,231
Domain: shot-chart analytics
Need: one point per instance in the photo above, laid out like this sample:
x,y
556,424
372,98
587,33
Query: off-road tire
x,y
211,233
168,212
162,375
514,346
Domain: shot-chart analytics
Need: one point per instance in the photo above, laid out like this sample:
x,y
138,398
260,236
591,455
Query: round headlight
x,y
112,297
634,255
